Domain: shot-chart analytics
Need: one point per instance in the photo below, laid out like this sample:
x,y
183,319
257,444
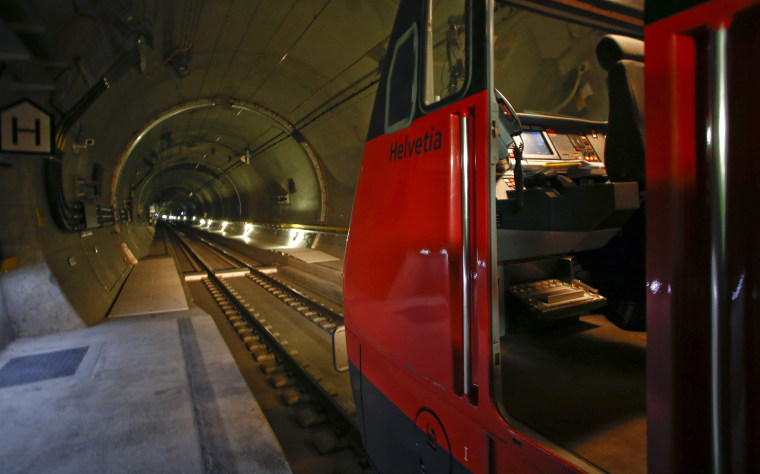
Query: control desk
x,y
567,203
553,143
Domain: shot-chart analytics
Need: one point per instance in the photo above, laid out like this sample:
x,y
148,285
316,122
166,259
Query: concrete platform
x,y
308,255
143,394
152,287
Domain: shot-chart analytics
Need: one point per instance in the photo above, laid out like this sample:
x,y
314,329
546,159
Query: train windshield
x,y
534,52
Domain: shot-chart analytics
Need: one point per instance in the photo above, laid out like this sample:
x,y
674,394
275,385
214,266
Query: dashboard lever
x,y
519,174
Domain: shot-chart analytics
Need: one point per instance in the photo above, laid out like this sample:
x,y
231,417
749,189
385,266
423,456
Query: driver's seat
x,y
624,151
618,269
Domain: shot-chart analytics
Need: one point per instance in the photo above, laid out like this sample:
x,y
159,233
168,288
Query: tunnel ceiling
x,y
226,107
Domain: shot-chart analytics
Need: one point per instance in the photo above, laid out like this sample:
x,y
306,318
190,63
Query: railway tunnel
x,y
248,115
232,112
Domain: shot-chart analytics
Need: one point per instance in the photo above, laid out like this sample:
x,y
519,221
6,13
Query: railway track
x,y
287,335
327,318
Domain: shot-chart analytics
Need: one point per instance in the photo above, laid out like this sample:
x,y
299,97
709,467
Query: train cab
x,y
495,280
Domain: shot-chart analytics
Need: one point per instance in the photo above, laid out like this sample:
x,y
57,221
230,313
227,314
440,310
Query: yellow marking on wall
x,y
41,221
8,264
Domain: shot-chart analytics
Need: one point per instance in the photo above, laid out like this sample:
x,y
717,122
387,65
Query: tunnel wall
x,y
6,328
340,139
31,300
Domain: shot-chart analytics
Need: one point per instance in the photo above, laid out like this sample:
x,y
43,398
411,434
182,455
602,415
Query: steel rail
x,y
315,306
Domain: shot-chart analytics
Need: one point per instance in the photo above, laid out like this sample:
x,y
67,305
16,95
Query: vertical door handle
x,y
465,161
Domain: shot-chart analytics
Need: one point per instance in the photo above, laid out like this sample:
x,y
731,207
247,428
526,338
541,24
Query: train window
x,y
445,49
548,65
402,82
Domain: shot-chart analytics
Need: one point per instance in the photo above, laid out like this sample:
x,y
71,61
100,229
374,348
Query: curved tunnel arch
x,y
188,205
149,126
316,161
127,156
188,166
194,167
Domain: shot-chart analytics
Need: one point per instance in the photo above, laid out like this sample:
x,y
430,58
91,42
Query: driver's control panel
x,y
559,200
543,145
575,152
574,146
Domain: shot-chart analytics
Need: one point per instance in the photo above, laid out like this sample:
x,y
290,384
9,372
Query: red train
x,y
526,291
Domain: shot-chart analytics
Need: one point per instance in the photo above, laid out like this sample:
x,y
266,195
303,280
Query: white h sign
x,y
26,128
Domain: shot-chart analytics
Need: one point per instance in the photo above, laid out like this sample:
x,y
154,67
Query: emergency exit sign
x,y
26,128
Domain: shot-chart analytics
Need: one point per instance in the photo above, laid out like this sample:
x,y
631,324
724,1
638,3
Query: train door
x,y
416,257
566,376
702,259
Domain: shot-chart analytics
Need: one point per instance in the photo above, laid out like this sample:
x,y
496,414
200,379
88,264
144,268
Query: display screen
x,y
535,143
